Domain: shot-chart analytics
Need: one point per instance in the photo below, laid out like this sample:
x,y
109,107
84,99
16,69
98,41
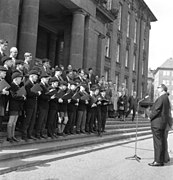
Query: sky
x,y
161,34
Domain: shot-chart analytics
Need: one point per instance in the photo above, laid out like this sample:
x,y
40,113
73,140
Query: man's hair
x,y
2,41
164,87
27,54
90,69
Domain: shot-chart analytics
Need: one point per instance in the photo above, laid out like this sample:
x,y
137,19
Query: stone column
x,y
99,66
77,39
89,60
67,40
29,27
52,48
9,15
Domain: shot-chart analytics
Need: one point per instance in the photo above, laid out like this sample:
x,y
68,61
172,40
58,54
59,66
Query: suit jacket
x,y
16,102
2,103
1,56
92,78
160,112
132,102
48,70
31,97
43,99
8,76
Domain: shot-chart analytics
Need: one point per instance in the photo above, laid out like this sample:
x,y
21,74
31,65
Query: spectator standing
x,y
3,48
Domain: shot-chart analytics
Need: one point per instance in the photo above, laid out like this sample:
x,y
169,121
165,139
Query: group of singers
x,y
62,102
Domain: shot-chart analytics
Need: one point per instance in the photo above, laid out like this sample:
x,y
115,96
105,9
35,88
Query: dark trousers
x,y
159,144
1,119
103,117
71,121
81,120
51,122
99,119
90,120
134,112
29,122
41,121
166,156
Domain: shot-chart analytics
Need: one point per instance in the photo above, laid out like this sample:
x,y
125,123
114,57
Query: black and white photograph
x,y
86,90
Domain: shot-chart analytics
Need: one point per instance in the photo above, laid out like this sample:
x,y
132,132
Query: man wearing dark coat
x,y
3,48
159,117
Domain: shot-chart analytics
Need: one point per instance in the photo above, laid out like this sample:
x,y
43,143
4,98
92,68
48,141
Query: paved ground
x,y
107,164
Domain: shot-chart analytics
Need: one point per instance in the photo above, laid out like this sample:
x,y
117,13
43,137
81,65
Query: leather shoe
x,y
32,137
10,140
14,139
166,161
43,136
155,164
38,137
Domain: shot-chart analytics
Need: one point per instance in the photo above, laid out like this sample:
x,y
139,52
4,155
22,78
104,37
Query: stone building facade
x,y
111,36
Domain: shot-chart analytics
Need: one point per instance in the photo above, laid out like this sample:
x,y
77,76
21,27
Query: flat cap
x,y
54,79
58,69
63,83
44,75
33,72
16,75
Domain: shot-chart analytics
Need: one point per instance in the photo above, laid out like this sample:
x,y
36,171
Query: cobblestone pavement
x,y
107,164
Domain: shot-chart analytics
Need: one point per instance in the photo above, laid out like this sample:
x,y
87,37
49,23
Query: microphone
x,y
147,96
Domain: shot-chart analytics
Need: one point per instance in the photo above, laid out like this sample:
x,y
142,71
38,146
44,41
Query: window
x,y
134,62
166,73
172,93
119,16
143,44
106,74
128,24
143,65
109,4
127,58
126,82
167,82
133,86
107,47
135,35
118,53
142,90
117,80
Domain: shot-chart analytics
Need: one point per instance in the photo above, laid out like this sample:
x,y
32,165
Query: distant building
x,y
164,74
111,36
150,85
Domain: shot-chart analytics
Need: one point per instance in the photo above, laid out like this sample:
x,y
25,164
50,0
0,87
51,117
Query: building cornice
x,y
162,68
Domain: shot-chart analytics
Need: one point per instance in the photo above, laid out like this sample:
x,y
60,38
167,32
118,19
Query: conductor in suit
x,y
159,117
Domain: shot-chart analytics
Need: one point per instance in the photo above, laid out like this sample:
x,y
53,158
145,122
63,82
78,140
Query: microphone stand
x,y
136,157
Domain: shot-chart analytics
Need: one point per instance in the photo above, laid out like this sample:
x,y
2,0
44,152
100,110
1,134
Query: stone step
x,y
109,125
108,132
141,120
26,162
42,148
114,125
